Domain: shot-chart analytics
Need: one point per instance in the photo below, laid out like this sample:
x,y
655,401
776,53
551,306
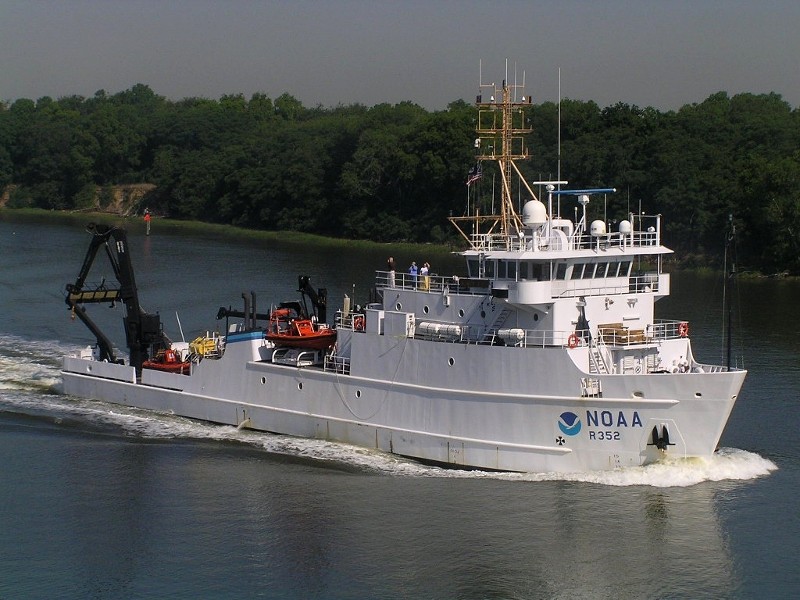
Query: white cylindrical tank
x,y
440,330
511,336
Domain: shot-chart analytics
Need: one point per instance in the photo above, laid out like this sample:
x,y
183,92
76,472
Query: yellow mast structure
x,y
501,129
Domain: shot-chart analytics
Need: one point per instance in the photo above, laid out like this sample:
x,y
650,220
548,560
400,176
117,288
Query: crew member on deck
x,y
390,267
424,274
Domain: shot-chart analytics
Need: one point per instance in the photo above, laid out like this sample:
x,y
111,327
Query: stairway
x,y
597,363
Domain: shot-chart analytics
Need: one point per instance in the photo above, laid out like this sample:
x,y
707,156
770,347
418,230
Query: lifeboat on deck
x,y
288,330
168,361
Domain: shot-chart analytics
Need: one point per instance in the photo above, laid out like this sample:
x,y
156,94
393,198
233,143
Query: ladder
x,y
597,363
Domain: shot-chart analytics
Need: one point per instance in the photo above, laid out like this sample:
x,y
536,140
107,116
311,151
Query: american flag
x,y
475,173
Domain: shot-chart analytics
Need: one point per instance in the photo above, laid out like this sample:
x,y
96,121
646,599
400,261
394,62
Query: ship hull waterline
x,y
508,431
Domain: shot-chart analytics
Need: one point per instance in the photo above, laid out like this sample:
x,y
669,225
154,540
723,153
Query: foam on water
x,y
29,382
29,365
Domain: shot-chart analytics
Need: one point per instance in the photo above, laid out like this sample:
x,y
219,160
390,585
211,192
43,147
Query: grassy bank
x,y
214,231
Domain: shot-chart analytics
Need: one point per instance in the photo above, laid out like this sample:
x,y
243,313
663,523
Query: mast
x,y
730,280
501,129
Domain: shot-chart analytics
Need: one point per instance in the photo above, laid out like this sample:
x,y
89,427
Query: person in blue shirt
x,y
412,270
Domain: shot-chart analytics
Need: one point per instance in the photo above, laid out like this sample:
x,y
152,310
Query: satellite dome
x,y
534,213
625,227
598,228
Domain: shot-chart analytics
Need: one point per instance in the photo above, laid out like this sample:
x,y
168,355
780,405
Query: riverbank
x,y
164,226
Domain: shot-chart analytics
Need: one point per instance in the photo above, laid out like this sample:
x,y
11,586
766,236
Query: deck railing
x,y
612,334
647,232
561,288
427,283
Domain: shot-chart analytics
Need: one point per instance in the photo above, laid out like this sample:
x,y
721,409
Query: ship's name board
x,y
608,418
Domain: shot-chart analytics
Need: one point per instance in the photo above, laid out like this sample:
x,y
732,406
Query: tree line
x,y
396,172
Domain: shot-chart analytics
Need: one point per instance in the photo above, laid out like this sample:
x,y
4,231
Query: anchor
x,y
660,441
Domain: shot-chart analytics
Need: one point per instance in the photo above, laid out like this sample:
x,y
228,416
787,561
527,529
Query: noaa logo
x,y
569,423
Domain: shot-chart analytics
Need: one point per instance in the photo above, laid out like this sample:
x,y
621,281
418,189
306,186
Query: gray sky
x,y
663,53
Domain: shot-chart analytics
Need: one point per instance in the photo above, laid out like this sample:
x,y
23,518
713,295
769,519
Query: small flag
x,y
475,173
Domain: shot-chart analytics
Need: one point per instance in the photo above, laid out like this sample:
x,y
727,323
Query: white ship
x,y
546,356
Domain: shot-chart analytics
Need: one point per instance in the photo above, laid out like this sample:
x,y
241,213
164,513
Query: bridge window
x,y
533,271
511,269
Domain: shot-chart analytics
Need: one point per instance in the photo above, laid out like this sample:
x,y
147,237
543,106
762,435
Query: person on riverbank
x,y
147,220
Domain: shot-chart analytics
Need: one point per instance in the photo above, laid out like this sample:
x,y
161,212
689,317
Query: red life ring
x,y
572,340
683,329
358,323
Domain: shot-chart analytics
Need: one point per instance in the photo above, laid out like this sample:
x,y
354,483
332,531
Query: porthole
x,y
460,312
398,306
451,361
358,393
638,394
483,314
535,317
425,309
263,380
698,395
300,386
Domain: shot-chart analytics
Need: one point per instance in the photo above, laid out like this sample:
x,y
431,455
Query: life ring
x,y
572,340
358,323
683,329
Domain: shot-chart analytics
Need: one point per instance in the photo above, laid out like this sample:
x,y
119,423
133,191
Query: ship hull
x,y
536,420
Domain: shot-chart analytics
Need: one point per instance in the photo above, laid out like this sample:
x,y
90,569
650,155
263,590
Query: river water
x,y
99,501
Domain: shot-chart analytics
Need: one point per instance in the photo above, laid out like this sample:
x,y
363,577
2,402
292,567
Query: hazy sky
x,y
663,53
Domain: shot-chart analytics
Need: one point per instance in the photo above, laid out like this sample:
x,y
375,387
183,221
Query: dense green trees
x,y
395,172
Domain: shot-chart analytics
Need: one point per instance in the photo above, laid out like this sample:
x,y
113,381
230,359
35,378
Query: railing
x,y
611,334
615,334
426,283
662,329
526,243
337,364
568,288
561,288
494,336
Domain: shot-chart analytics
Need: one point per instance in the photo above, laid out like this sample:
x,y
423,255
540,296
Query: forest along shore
x,y
397,172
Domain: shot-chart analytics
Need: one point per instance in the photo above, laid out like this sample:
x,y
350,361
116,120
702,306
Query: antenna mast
x,y
501,129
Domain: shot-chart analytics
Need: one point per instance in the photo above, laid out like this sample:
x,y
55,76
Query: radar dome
x,y
598,228
625,227
534,213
